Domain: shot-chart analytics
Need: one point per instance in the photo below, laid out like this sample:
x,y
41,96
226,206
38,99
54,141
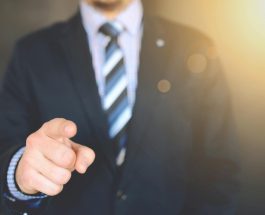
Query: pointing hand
x,y
50,157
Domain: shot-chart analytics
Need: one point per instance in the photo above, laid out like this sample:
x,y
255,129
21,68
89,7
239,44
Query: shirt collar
x,y
130,18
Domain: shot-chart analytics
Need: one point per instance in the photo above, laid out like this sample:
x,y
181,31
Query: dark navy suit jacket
x,y
181,142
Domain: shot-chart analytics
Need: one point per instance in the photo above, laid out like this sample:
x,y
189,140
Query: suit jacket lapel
x,y
151,71
78,56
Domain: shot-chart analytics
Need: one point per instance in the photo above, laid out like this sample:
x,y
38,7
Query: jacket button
x,y
121,195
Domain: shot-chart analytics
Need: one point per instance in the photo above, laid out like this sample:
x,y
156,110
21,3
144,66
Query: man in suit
x,y
146,96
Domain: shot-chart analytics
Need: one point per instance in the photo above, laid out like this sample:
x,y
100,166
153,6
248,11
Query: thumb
x,y
84,157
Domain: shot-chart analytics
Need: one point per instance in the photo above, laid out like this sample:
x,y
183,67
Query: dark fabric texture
x,y
182,152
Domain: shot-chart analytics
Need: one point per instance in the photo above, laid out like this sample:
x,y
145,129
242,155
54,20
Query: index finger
x,y
59,128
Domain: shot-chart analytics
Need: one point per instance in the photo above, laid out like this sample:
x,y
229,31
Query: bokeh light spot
x,y
164,86
197,63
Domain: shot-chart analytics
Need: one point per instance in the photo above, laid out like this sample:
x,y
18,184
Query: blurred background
x,y
238,28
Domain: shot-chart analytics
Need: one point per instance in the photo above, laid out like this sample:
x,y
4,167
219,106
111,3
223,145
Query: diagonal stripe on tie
x,y
111,48
117,108
114,75
113,60
115,92
122,120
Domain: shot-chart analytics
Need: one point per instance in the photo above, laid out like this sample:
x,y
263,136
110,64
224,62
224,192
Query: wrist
x,y
14,189
19,183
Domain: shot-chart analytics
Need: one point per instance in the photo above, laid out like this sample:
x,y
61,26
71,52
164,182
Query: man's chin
x,y
107,6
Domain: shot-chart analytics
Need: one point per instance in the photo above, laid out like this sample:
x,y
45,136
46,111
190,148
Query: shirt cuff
x,y
11,184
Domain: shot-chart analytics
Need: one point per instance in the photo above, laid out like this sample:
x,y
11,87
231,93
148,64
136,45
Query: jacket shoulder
x,y
182,33
44,37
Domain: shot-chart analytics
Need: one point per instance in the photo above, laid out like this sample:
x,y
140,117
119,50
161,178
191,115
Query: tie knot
x,y
111,30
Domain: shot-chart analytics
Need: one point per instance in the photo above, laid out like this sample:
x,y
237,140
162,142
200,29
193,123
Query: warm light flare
x,y
254,18
250,20
238,29
239,24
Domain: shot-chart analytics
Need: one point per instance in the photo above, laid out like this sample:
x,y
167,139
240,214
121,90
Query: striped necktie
x,y
115,101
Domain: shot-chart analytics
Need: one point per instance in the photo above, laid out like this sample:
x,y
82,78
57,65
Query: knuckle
x,y
26,160
63,177
88,154
45,124
68,157
58,120
49,124
32,140
59,189
58,151
27,178
85,150
54,190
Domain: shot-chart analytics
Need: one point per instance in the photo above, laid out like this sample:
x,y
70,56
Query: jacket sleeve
x,y
17,121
